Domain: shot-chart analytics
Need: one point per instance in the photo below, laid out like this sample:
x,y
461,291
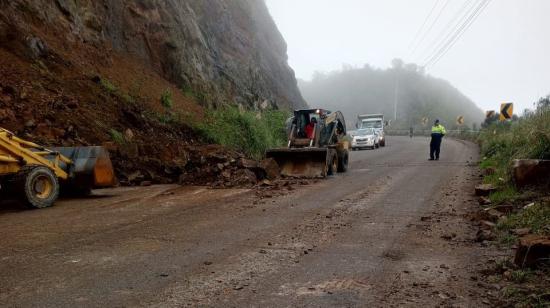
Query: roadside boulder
x,y
129,134
37,47
485,189
521,231
533,250
484,201
271,168
487,225
527,172
245,177
493,215
485,235
247,163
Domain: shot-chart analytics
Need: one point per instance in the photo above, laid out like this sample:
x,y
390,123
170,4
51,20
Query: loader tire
x,y
343,162
333,165
37,186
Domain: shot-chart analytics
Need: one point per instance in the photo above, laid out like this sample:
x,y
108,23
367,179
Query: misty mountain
x,y
368,90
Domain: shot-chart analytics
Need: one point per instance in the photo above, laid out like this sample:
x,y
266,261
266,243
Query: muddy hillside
x,y
133,74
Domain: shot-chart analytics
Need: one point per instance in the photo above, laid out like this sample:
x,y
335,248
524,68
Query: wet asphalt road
x,y
337,242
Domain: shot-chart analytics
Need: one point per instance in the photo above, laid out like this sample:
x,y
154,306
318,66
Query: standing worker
x,y
438,131
411,131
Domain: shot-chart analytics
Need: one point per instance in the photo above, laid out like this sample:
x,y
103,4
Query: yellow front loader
x,y
324,152
34,174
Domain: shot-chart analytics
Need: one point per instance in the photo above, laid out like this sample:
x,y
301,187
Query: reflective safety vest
x,y
439,129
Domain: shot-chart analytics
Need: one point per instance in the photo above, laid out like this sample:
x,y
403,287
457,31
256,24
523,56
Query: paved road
x,y
389,232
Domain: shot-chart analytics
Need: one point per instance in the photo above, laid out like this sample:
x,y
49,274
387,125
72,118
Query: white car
x,y
365,138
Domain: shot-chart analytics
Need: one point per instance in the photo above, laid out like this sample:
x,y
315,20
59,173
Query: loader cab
x,y
302,118
329,127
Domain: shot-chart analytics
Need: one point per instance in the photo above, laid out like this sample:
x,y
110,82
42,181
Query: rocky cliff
x,y
223,51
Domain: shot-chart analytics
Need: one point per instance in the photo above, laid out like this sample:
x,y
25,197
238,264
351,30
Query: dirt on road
x,y
393,231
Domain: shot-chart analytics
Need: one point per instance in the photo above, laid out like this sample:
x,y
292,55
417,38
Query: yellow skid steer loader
x,y
35,174
317,145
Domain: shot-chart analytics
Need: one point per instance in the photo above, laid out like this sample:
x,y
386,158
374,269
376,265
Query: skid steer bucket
x,y
301,162
92,167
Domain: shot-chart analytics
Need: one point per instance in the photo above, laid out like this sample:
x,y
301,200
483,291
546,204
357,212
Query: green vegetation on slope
x,y
248,131
367,90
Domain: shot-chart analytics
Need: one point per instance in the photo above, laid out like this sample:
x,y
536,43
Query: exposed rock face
x,y
221,51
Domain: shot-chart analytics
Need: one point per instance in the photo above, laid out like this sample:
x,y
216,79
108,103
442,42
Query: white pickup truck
x,y
375,121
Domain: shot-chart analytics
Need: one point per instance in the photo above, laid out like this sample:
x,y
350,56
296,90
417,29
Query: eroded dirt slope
x,y
95,73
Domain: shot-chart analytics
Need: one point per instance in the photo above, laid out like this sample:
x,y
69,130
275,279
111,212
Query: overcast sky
x,y
503,56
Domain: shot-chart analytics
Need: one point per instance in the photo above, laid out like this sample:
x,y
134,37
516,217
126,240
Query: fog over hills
x,y
369,90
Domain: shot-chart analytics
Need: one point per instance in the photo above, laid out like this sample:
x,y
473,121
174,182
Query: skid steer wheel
x,y
333,165
37,186
343,162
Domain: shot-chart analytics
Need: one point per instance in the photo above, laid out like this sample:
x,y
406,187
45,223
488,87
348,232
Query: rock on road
x,y
389,232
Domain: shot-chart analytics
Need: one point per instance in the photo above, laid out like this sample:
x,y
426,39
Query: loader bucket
x,y
301,162
92,167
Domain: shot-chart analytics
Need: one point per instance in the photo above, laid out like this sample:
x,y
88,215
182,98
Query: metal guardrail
x,y
426,132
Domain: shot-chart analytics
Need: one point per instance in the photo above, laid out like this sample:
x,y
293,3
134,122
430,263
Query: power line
x,y
431,25
473,19
417,35
458,34
455,29
440,38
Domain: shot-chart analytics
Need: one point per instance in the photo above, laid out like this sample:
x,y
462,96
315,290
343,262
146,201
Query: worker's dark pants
x,y
435,146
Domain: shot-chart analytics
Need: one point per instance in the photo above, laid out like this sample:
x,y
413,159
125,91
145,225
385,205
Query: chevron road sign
x,y
506,111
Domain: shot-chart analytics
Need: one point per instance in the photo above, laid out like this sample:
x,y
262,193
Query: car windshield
x,y
371,124
365,131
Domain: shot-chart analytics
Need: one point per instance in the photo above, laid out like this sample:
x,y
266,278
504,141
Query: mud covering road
x,y
390,232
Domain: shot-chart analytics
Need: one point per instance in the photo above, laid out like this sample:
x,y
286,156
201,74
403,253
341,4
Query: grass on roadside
x,y
507,193
535,217
526,298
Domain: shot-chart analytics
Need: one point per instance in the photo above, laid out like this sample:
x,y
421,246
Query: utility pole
x,y
395,96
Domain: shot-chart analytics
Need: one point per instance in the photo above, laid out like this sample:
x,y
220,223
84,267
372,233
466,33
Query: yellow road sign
x,y
460,120
506,111
489,114
424,121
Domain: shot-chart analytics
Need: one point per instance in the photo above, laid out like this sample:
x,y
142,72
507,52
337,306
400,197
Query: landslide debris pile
x,y
134,76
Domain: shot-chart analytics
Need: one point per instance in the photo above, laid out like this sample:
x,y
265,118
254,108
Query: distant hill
x,y
369,90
